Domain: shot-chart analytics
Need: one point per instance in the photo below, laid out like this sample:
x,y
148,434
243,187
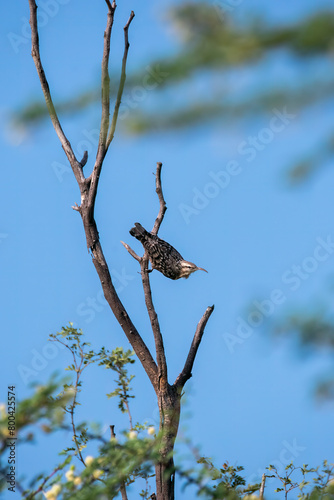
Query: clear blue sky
x,y
250,399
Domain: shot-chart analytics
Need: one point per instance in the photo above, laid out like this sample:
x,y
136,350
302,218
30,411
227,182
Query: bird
x,y
163,256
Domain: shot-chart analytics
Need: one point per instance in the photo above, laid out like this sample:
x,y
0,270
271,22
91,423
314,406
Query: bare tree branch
x,y
263,482
122,81
186,372
131,252
105,85
116,305
84,159
158,340
159,344
163,206
76,166
104,142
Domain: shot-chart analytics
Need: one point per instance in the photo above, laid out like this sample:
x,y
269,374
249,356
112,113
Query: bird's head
x,y
189,267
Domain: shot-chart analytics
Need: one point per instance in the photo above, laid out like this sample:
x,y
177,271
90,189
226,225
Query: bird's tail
x,y
139,232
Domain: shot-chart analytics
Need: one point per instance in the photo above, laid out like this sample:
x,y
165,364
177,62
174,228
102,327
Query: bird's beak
x,y
201,269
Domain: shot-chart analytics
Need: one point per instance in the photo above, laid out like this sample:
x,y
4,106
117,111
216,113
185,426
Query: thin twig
x,y
159,345
131,252
72,406
122,488
163,206
78,369
125,395
127,406
121,82
72,415
102,150
263,482
186,372
105,85
34,493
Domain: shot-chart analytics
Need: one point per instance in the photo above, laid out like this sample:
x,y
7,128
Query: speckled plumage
x,y
163,256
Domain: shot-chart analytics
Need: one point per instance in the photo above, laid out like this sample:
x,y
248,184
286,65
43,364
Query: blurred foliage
x,y
306,326
315,333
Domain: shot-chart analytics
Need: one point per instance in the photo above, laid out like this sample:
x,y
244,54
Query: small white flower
x,y
133,434
49,495
77,481
151,430
89,459
56,489
69,475
97,473
53,492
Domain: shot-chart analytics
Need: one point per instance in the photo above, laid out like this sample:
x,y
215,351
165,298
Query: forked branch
x,y
122,81
163,206
76,166
105,85
188,366
105,136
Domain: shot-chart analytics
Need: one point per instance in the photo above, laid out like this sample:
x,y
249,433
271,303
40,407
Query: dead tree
x,y
168,395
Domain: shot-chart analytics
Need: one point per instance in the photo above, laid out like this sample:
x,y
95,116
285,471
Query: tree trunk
x,y
169,407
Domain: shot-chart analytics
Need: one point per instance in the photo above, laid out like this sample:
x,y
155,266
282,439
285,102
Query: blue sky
x,y
250,399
